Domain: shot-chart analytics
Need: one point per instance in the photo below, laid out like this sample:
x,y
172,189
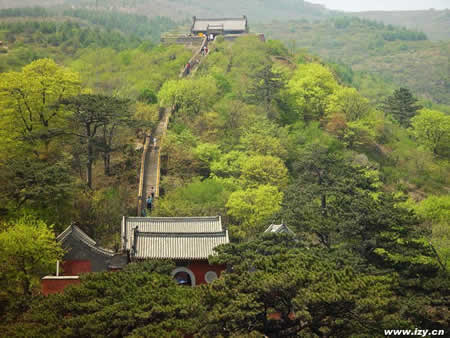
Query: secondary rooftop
x,y
181,238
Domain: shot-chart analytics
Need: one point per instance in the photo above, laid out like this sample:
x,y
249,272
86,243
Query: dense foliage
x,y
140,301
28,249
258,134
138,26
278,285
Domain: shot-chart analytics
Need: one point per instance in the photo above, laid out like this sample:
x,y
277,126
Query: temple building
x,y
188,241
225,26
82,255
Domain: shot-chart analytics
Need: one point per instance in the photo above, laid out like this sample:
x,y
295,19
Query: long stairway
x,y
151,162
151,173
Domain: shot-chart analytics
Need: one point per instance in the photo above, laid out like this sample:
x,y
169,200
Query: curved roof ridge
x,y
221,19
173,218
82,236
186,234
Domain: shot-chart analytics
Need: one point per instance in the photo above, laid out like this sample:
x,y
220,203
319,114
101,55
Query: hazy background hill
x,y
436,24
383,56
396,56
258,10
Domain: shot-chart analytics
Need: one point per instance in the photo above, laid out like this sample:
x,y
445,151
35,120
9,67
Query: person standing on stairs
x,y
152,192
149,203
188,68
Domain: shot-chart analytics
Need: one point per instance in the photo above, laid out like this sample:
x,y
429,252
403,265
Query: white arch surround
x,y
183,269
210,276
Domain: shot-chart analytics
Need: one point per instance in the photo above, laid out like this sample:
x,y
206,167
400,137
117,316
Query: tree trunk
x,y
105,164
323,197
89,165
108,141
90,158
108,164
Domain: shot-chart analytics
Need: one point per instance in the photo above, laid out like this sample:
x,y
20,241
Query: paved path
x,y
152,160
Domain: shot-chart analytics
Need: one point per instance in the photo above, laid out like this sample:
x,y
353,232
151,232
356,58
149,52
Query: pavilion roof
x,y
279,228
227,24
72,231
191,238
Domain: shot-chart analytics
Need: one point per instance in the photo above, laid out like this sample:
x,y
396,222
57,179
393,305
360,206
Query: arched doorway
x,y
184,276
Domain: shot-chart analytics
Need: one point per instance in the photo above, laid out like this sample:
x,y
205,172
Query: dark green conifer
x,y
402,105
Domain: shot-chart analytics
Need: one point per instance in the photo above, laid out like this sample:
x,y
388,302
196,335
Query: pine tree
x,y
402,105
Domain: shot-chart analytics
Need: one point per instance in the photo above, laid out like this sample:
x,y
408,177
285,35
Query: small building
x,y
82,255
188,241
279,229
223,26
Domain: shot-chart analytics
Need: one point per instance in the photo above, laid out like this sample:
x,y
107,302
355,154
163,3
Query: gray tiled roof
x,y
172,237
77,233
279,228
178,246
231,24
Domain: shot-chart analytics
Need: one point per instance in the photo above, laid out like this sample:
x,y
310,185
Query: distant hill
x,y
436,24
257,10
401,57
28,3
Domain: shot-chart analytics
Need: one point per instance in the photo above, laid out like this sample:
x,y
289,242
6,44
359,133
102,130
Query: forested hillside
x,y
107,61
257,135
436,24
398,56
260,133
260,10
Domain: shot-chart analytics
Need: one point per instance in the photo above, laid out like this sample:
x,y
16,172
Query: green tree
x,y
29,181
30,100
280,288
349,102
340,204
267,83
148,96
142,300
262,143
198,198
229,164
310,87
435,210
92,114
28,250
253,208
261,170
432,129
207,153
402,105
189,95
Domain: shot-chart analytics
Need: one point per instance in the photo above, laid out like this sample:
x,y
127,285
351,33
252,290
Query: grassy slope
x,y
419,65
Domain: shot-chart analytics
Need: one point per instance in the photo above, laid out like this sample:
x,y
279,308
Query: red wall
x,y
74,268
50,286
201,267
